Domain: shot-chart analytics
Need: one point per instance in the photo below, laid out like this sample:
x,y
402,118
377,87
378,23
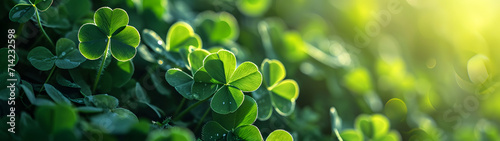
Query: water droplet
x,y
223,135
223,103
63,53
217,134
160,42
229,102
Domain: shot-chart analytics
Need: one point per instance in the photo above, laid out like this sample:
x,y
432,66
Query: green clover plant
x,y
221,67
217,27
181,38
279,135
67,56
253,8
374,127
185,84
276,92
108,33
234,126
23,12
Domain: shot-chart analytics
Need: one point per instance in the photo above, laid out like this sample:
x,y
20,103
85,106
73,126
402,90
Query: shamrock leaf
x,y
101,101
108,32
181,35
217,27
67,56
172,134
179,42
358,81
56,118
221,66
188,86
117,120
279,135
57,96
21,13
276,92
253,8
235,125
372,126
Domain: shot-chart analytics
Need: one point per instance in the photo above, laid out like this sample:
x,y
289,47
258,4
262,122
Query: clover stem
x,y
201,120
337,134
180,106
43,31
266,40
96,81
48,78
189,109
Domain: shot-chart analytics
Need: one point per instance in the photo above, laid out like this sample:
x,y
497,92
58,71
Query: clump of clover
x,y
218,74
108,34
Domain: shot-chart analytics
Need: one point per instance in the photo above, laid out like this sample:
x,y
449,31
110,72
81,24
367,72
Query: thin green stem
x,y
48,78
180,106
96,81
337,134
188,109
201,120
40,24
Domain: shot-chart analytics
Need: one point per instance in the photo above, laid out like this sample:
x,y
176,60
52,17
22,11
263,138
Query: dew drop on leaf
x,y
160,42
223,103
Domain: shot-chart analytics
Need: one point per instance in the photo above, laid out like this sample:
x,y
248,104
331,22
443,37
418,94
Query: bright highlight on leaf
x,y
279,135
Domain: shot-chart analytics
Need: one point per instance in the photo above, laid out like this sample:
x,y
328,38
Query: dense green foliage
x,y
274,70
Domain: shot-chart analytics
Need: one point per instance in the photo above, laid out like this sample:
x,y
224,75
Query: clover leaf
x,y
358,81
23,12
67,56
352,135
56,95
109,32
253,8
375,127
186,84
221,66
171,134
217,27
117,120
276,92
234,126
395,110
279,135
181,38
101,101
56,118
181,35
